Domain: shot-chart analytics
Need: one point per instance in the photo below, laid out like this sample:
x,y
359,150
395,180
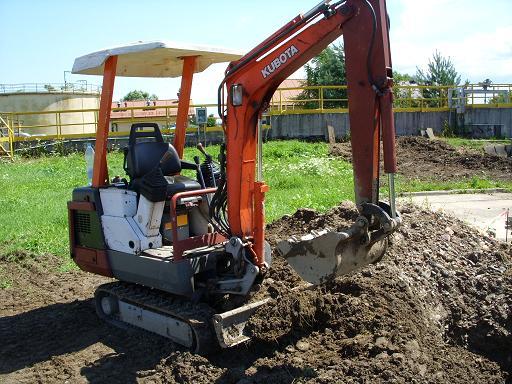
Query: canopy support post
x,y
100,171
189,64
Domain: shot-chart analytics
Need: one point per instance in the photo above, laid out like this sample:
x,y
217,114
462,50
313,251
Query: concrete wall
x,y
488,122
406,123
114,143
83,122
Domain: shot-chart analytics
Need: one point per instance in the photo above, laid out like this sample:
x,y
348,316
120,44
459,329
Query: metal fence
x,y
82,123
79,87
407,98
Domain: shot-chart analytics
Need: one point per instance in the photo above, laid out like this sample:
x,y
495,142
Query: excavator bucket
x,y
323,255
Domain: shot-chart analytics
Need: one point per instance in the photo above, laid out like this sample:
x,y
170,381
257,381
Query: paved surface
x,y
485,211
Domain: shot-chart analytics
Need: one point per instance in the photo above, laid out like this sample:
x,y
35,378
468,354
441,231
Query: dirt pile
x,y
422,158
435,309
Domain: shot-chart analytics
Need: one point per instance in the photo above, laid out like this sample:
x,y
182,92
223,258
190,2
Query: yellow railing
x,y
407,98
6,137
82,123
79,88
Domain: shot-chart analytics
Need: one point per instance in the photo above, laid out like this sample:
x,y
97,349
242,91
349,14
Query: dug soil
x,y
436,309
424,159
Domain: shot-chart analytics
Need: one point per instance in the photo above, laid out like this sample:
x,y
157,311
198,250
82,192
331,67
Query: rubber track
x,y
198,316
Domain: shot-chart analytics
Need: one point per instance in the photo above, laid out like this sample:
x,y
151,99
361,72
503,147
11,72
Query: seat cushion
x,y
180,183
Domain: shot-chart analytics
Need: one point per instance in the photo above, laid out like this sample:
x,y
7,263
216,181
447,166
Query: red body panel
x,y
89,260
180,246
93,260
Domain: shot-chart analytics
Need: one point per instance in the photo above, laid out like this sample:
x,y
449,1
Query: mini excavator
x,y
177,245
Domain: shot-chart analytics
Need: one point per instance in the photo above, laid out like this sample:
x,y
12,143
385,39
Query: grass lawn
x,y
405,185
34,192
472,143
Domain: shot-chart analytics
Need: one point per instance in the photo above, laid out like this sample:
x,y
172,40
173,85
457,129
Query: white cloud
x,y
473,34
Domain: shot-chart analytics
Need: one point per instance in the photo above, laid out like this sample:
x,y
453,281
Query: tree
x,y
400,78
440,71
485,84
404,97
138,95
500,99
49,88
328,68
211,121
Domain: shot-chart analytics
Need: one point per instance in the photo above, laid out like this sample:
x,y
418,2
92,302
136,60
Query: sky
x,y
41,39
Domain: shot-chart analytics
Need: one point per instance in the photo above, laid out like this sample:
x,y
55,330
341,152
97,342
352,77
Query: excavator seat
x,y
142,157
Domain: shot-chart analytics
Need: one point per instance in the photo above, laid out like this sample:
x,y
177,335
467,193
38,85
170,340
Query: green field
x,y
34,192
471,143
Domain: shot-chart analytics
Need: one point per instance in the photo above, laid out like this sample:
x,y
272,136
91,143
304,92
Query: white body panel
x,y
124,235
119,234
118,202
149,216
125,229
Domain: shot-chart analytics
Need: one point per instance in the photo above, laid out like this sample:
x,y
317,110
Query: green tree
x,y
328,68
404,97
399,78
138,95
210,122
485,84
440,71
502,98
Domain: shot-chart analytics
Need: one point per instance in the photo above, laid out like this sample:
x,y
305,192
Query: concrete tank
x,y
50,99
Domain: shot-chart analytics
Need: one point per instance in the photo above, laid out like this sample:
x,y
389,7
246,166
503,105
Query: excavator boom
x,y
250,83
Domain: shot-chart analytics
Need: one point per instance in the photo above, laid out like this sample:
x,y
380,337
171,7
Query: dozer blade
x,y
324,255
230,326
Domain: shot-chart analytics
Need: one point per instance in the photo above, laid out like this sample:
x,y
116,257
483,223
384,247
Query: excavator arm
x,y
238,207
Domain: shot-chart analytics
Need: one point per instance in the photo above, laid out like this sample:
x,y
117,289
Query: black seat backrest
x,y
143,156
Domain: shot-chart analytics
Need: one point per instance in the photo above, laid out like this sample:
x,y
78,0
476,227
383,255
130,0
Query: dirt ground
x,y
421,158
436,309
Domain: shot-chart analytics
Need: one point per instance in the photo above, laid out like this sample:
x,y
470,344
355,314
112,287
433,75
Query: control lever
x,y
203,151
199,172
201,178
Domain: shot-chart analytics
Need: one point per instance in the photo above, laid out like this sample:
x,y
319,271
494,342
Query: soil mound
x,y
435,309
422,158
